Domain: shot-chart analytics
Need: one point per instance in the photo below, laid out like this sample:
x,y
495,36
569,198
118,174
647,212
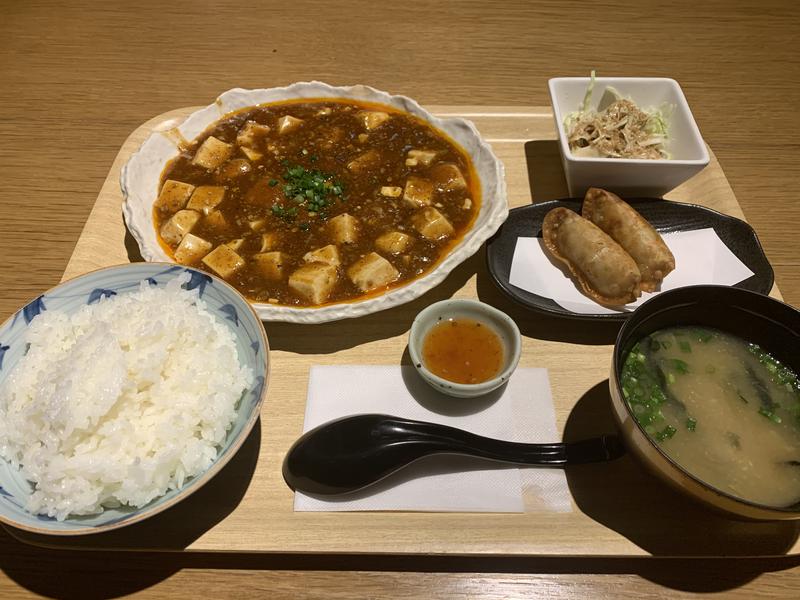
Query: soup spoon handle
x,y
444,439
351,453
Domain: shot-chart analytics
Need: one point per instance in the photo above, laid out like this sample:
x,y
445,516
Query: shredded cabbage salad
x,y
618,128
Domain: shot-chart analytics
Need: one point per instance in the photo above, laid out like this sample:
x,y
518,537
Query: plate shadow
x,y
545,170
131,247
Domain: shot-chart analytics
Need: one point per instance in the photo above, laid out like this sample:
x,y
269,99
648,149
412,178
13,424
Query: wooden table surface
x,y
78,77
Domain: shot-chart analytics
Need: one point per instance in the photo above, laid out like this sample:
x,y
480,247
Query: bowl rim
x,y
201,479
494,195
417,335
617,361
605,161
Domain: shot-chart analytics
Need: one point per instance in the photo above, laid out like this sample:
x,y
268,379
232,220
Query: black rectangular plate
x,y
665,215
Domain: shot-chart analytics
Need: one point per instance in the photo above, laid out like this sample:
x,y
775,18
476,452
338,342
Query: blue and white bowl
x,y
223,301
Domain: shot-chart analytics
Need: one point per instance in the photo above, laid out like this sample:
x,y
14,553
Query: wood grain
x,y
577,356
79,77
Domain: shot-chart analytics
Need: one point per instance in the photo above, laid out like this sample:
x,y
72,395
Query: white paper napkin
x,y
520,411
700,258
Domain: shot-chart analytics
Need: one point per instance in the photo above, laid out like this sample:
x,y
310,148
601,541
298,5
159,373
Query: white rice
x,y
121,401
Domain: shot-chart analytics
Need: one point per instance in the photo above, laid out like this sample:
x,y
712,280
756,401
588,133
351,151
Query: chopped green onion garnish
x,y
680,365
666,433
703,336
770,415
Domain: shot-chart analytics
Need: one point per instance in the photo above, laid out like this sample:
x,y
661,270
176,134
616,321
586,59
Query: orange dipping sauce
x,y
463,351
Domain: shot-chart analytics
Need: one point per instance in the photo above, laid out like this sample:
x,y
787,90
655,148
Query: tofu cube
x,y
393,242
423,157
257,224
216,220
178,226
330,137
223,261
364,161
373,119
448,178
371,272
327,254
288,124
431,224
269,241
191,249
391,191
343,229
253,155
212,153
206,198
251,133
271,265
234,168
174,195
418,192
235,245
314,281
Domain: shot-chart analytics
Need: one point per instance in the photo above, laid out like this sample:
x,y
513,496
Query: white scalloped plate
x,y
142,173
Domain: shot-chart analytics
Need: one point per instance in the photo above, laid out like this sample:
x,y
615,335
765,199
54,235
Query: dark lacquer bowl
x,y
773,325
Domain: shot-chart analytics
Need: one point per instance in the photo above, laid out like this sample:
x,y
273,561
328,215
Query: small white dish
x,y
624,176
141,175
496,320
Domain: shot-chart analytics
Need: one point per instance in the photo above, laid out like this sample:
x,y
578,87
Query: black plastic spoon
x,y
352,453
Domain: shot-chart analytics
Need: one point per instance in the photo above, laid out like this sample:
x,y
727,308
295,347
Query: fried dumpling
x,y
605,272
631,231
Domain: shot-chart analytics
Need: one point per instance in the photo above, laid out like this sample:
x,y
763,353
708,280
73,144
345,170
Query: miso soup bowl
x,y
759,319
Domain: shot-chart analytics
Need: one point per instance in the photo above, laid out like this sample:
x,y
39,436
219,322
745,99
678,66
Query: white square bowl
x,y
630,177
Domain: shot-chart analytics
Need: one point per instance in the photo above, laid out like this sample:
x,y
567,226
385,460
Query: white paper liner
x,y
521,411
700,258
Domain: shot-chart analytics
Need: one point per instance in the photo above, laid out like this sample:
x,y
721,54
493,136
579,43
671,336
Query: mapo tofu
x,y
316,202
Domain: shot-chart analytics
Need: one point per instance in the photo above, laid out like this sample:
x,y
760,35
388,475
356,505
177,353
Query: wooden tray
x,y
618,509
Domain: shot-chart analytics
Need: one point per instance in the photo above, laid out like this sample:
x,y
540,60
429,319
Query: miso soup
x,y
722,408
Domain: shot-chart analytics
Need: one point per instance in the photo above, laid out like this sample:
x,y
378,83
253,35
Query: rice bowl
x,y
96,435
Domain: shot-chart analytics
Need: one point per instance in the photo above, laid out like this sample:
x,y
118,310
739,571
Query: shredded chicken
x,y
622,130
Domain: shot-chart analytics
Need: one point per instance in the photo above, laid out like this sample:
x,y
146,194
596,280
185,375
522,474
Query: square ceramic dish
x,y
688,153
